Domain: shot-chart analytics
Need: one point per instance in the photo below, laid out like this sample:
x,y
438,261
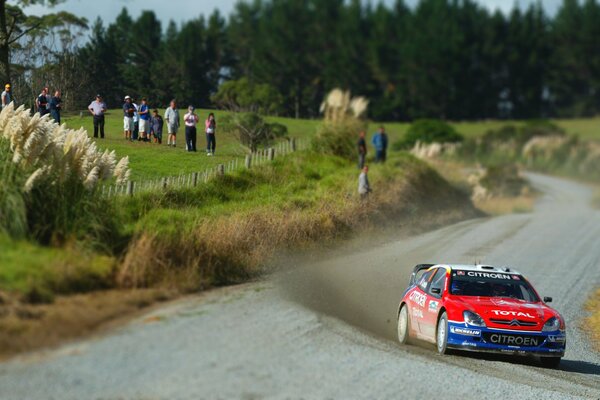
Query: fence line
x,y
252,160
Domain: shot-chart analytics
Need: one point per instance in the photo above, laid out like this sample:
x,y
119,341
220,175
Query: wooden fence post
x,y
293,141
195,179
220,170
248,162
130,188
165,182
271,153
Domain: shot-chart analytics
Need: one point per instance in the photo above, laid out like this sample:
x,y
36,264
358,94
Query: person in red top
x,y
191,120
210,129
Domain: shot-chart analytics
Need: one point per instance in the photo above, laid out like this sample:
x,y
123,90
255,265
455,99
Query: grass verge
x,y
592,323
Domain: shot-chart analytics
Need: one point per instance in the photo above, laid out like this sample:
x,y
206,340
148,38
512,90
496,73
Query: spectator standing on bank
x,y
191,134
380,141
6,95
172,119
128,111
144,115
42,102
364,188
211,130
98,109
362,150
55,106
156,127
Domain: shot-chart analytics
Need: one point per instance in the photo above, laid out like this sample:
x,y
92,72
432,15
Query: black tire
x,y
550,362
441,334
403,325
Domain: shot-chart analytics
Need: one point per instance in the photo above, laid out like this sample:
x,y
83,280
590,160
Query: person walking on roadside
x,y
42,102
364,188
362,150
156,127
380,141
172,119
6,95
191,134
128,111
98,109
211,130
144,115
55,106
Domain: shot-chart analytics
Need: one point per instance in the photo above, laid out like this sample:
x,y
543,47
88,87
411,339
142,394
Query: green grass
x,y
38,272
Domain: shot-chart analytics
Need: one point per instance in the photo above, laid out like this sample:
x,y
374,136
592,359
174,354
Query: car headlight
x,y
552,325
474,319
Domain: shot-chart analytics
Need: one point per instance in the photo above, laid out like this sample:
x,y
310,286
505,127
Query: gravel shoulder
x,y
325,330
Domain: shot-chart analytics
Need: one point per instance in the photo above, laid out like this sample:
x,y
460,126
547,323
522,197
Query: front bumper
x,y
544,344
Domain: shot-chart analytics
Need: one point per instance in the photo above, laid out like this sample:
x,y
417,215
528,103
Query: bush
x,y
503,180
50,180
428,131
338,139
243,96
252,130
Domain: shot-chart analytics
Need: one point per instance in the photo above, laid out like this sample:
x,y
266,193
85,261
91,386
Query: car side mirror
x,y
436,291
547,299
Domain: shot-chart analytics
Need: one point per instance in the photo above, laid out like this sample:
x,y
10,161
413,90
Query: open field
x,y
149,161
592,322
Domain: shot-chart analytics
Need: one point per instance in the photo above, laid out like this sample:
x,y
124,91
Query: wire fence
x,y
252,160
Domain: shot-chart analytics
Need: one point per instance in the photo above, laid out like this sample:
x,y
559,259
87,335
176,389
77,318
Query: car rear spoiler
x,y
416,270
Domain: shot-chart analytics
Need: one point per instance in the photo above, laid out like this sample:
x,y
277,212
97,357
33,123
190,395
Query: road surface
x,y
326,330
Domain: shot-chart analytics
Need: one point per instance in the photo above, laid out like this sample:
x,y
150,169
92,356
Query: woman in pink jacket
x,y
210,130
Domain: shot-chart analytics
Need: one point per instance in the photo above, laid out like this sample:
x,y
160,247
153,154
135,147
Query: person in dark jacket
x,y
55,106
380,141
362,150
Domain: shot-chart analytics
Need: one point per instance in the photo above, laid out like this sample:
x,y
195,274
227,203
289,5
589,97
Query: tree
x,y
252,130
243,96
15,24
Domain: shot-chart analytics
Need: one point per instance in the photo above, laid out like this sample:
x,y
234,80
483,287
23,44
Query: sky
x,y
182,10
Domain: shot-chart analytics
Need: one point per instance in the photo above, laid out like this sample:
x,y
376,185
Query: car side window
x,y
425,280
438,282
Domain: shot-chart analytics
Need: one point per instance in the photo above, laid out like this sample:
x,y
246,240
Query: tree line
x,y
446,59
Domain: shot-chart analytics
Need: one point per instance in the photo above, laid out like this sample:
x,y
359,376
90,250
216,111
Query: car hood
x,y
507,313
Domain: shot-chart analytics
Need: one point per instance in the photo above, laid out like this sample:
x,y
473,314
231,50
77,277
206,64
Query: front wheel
x,y
403,325
550,362
441,338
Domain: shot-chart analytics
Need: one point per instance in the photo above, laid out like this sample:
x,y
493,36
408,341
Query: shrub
x,y
252,130
503,180
428,131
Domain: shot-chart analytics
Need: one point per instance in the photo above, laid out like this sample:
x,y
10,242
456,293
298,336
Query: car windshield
x,y
491,284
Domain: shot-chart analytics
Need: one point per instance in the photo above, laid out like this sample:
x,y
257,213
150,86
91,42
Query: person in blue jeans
x,y
380,142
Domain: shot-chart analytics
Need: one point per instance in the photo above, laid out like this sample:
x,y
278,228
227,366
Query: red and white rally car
x,y
480,308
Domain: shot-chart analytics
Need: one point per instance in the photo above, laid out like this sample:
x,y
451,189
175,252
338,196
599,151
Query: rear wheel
x,y
550,362
403,325
441,338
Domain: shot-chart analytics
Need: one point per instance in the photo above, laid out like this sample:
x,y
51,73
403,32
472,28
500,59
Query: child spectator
x,y
211,130
156,127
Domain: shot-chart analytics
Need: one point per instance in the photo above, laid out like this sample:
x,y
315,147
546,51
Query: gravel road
x,y
326,330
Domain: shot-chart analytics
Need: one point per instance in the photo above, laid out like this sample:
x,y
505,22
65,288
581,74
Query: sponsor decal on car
x,y
516,277
557,339
465,331
418,298
512,313
417,313
460,273
515,340
433,306
489,275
